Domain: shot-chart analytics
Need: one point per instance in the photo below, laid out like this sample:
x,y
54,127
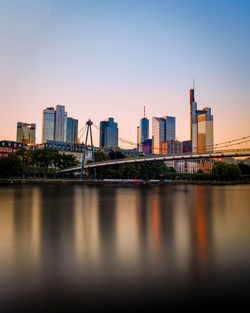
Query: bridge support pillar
x,y
89,130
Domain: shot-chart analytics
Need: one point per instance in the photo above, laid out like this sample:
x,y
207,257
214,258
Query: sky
x,y
110,58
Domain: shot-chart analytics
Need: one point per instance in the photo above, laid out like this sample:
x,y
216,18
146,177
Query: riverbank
x,y
113,182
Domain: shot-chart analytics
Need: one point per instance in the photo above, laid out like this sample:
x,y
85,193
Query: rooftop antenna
x,y
193,83
144,110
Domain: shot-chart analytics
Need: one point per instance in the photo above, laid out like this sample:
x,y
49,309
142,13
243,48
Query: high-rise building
x,y
26,133
60,123
201,126
163,129
48,124
108,133
144,131
57,126
205,136
72,130
138,138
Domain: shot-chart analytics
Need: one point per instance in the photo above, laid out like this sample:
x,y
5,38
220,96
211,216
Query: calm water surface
x,y
121,247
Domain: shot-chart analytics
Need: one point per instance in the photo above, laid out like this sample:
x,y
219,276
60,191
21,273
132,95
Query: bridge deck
x,y
157,158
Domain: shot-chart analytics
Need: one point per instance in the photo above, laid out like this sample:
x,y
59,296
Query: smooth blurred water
x,y
116,247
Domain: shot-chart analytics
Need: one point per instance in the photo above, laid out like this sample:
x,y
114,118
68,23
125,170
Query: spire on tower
x,y
193,83
144,110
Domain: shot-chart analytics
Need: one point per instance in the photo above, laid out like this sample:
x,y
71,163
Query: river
x,y
182,246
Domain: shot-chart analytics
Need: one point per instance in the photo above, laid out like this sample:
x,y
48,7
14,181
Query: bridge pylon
x,y
89,130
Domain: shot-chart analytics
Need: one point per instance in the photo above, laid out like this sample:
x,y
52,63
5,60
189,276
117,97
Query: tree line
x,y
35,163
47,162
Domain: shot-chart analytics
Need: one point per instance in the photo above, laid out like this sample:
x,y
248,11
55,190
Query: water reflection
x,y
167,236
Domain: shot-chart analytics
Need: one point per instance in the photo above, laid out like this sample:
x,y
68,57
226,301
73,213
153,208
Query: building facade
x,y
7,147
163,129
26,133
171,147
108,133
187,146
147,146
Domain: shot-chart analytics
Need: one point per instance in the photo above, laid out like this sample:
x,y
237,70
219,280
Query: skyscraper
x,y
108,133
163,129
48,124
72,130
144,131
57,126
138,138
60,123
201,126
26,133
205,137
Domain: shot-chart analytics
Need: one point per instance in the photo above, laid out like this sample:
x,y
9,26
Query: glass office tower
x,y
163,129
72,130
144,132
60,123
48,124
108,133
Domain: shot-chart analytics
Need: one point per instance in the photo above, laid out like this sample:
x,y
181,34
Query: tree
x,y
220,170
244,168
101,156
101,172
11,166
233,172
200,170
114,155
224,171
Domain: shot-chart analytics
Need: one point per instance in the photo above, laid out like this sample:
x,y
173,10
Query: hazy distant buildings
x,y
201,127
163,129
56,125
26,133
108,133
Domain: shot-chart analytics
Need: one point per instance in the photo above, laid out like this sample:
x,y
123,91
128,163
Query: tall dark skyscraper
x,y
144,131
72,130
108,133
201,126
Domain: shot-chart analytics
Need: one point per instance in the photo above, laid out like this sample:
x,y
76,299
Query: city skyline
x,y
111,59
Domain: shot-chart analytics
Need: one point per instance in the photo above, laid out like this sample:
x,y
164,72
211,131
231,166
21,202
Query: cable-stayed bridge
x,y
158,158
215,151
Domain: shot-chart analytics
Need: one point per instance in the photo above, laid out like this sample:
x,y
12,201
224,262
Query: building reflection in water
x,y
153,236
86,227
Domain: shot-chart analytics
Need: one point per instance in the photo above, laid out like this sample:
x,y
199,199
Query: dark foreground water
x,y
165,248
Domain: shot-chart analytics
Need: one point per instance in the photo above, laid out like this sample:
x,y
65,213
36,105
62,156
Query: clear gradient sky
x,y
110,58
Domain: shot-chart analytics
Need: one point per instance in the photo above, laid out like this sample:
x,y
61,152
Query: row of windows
x,y
15,145
6,150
